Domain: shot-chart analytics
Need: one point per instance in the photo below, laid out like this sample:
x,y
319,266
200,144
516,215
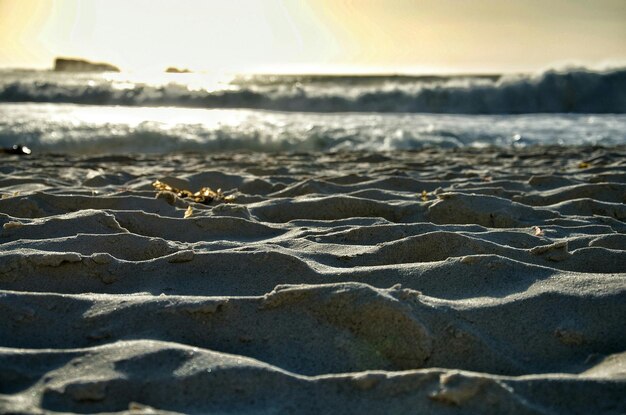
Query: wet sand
x,y
434,281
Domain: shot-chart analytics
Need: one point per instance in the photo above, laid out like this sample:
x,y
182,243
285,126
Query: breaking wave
x,y
571,91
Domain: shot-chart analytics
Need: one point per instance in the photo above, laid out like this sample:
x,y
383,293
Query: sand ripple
x,y
443,281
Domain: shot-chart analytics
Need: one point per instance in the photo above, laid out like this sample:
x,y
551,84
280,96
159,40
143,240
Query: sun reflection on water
x,y
202,81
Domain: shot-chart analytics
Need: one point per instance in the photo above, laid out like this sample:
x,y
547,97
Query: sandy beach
x,y
465,281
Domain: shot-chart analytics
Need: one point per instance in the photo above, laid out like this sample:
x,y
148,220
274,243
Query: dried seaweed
x,y
188,212
206,195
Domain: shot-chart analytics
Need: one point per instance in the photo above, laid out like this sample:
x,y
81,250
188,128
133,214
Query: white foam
x,y
107,129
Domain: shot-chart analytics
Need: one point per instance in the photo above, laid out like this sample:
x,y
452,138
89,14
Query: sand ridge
x,y
441,280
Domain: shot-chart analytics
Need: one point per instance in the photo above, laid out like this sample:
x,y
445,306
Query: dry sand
x,y
439,281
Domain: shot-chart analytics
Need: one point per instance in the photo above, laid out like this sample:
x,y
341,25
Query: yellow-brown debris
x,y
188,212
205,195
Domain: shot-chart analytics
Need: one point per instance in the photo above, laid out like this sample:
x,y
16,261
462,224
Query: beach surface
x,y
452,281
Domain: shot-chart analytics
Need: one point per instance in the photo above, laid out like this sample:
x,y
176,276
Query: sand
x,y
435,281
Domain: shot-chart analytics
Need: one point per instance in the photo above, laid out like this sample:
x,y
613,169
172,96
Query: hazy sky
x,y
316,35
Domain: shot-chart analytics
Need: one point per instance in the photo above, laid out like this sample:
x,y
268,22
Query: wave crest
x,y
571,91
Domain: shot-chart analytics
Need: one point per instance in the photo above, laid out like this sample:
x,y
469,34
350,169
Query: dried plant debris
x,y
205,195
188,212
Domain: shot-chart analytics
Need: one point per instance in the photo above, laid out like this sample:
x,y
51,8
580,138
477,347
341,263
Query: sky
x,y
282,36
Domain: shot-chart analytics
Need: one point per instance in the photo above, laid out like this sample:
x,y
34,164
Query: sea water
x,y
118,113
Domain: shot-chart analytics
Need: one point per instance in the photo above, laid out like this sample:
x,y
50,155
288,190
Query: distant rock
x,y
81,65
173,69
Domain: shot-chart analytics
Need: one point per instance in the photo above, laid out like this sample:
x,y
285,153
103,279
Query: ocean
x,y
125,113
